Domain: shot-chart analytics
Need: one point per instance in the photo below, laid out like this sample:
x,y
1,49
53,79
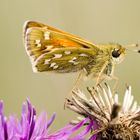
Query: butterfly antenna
x,y
133,46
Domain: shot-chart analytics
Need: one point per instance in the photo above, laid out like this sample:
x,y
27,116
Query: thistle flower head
x,y
111,120
31,127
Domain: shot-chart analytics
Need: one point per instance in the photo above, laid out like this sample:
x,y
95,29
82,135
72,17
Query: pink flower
x,y
31,127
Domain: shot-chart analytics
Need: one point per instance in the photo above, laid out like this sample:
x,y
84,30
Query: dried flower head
x,y
111,121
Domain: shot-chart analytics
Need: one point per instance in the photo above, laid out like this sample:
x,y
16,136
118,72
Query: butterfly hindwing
x,y
63,60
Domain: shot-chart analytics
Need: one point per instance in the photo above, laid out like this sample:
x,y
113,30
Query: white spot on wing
x,y
74,58
67,52
55,67
52,64
57,55
75,63
47,61
47,35
72,61
38,43
49,47
83,54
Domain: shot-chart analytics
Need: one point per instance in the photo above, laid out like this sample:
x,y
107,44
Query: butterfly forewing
x,y
54,50
30,24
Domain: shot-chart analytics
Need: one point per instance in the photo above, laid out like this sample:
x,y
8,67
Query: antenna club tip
x,y
135,45
138,51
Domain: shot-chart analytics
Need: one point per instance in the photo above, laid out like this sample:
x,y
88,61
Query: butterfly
x,y
50,49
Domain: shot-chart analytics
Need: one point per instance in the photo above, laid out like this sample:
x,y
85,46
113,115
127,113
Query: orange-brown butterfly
x,y
54,50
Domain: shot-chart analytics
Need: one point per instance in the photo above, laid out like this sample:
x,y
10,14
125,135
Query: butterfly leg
x,y
99,77
76,84
78,80
116,83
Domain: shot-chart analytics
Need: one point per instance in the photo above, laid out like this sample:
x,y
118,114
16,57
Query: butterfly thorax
x,y
101,64
106,58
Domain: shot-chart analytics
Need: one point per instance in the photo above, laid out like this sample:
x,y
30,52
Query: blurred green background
x,y
96,20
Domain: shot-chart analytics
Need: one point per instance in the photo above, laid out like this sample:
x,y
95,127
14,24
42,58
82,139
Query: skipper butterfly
x,y
50,49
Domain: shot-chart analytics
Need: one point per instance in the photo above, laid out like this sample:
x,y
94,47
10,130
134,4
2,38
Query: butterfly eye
x,y
115,53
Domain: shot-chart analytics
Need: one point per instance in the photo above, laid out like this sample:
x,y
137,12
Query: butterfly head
x,y
117,53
